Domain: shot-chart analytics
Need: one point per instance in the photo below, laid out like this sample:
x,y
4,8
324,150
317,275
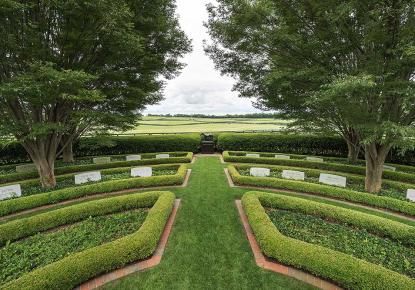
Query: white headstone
x,y
388,167
132,157
101,160
26,168
87,177
10,191
158,156
410,194
141,172
259,172
332,179
293,174
279,156
255,155
314,159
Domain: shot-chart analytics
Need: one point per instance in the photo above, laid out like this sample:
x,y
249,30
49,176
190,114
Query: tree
x,y
68,67
344,65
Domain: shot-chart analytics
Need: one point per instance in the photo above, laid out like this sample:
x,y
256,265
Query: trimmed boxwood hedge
x,y
186,158
384,202
347,271
80,267
13,152
329,166
298,144
28,202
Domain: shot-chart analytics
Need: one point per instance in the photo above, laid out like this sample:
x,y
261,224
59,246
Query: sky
x,y
199,88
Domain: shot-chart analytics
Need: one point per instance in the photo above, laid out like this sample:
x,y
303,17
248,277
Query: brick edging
x,y
268,264
153,261
298,193
93,196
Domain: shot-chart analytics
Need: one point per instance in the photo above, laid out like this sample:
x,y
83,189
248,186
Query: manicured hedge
x,y
28,202
347,271
384,202
297,144
13,152
80,267
185,158
346,168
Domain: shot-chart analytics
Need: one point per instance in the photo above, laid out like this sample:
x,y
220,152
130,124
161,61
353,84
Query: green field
x,y
180,124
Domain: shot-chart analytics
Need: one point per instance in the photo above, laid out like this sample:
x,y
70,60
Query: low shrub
x,y
347,271
184,157
80,267
388,203
298,144
329,166
28,202
13,152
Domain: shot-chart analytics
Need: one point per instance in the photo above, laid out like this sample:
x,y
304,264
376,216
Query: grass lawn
x,y
208,248
176,125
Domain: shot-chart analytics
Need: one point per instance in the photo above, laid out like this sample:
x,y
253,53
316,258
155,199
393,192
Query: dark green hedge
x,y
28,202
297,144
345,270
13,152
80,267
373,200
340,167
185,157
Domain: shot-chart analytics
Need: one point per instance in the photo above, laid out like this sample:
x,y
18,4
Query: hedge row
x,y
13,152
346,168
80,267
186,158
316,173
298,144
384,202
28,202
347,271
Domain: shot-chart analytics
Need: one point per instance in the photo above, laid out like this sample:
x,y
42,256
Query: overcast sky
x,y
199,88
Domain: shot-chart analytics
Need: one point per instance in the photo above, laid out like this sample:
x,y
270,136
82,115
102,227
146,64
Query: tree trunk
x,y
353,151
375,158
46,173
67,153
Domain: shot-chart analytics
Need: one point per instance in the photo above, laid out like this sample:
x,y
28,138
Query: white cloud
x,y
199,88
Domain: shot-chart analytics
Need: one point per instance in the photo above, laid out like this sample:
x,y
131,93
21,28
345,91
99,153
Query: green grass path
x,y
207,248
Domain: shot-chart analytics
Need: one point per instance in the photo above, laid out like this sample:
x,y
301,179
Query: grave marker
x,y
410,194
388,167
255,155
132,157
87,177
101,160
159,156
280,156
10,191
293,174
332,179
141,172
314,159
259,172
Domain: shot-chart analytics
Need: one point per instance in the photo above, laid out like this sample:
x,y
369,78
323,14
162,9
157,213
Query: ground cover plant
x,y
69,271
346,270
343,238
36,251
73,193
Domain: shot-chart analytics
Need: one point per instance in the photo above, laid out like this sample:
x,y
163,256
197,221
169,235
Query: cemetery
x,y
211,144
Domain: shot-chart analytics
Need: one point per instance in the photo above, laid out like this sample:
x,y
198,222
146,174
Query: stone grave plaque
x,y
10,191
410,194
26,168
293,174
159,156
280,156
87,177
132,157
101,160
332,179
259,172
255,155
388,167
141,172
314,159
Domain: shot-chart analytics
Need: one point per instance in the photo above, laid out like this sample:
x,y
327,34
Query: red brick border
x,y
93,196
268,264
389,212
153,261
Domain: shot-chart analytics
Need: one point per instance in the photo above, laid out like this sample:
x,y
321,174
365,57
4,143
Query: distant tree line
x,y
252,115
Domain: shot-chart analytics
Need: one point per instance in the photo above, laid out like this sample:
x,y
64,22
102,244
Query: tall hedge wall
x,y
15,153
297,144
